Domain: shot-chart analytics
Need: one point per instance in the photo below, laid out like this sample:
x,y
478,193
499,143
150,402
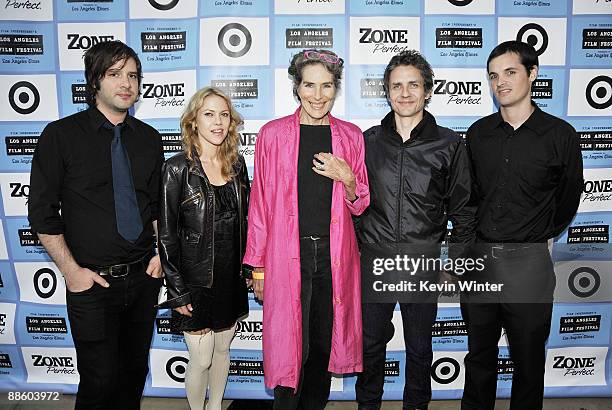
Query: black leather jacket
x,y
186,221
417,186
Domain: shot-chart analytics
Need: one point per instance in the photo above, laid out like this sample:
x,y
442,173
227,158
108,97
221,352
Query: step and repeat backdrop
x,y
244,47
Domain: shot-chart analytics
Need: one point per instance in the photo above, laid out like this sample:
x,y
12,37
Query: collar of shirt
x,y
537,121
97,119
426,129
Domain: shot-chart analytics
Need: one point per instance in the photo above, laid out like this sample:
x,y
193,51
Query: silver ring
x,y
320,167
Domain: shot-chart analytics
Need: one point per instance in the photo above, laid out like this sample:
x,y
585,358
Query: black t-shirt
x,y
314,190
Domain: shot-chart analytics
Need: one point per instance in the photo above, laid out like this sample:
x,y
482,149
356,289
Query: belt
x,y
120,270
314,237
499,250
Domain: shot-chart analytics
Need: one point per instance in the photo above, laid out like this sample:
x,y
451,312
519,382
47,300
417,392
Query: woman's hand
x,y
258,287
185,310
336,168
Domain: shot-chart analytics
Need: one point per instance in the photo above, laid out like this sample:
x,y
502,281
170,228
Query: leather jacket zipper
x,y
191,198
212,265
237,187
399,196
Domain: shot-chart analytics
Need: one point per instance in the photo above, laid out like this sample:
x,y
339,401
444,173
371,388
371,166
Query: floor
x,y
157,403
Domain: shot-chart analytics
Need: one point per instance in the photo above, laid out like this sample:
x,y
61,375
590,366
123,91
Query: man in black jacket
x,y
93,203
419,179
528,180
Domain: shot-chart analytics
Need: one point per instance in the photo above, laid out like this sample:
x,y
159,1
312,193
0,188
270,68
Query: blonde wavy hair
x,y
228,151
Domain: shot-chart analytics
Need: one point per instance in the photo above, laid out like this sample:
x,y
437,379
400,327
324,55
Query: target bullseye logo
x,y
599,92
234,40
460,3
584,282
45,283
534,35
160,5
445,370
176,368
23,97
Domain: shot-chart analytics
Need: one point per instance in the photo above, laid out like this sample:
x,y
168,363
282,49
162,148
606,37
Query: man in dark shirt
x,y
93,203
528,179
419,179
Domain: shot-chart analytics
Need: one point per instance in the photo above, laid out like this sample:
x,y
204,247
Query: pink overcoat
x,y
273,242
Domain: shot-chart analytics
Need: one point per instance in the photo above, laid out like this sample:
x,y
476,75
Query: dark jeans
x,y
317,322
417,320
527,327
112,329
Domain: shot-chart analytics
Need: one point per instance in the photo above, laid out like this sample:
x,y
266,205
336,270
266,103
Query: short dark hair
x,y
525,51
415,59
99,58
299,61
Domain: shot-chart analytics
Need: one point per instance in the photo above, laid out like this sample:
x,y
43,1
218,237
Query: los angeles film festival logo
x,y
309,37
163,42
22,47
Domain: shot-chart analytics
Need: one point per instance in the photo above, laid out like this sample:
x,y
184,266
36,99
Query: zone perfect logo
x,y
590,93
164,94
249,332
248,137
447,372
75,38
225,41
40,282
576,366
308,6
28,98
592,7
460,7
51,365
374,40
15,191
546,35
163,9
29,10
597,190
168,368
460,92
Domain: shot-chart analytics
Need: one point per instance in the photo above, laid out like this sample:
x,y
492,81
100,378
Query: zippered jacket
x,y
186,222
417,186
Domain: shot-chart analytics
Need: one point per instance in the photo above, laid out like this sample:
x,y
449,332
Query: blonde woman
x,y
202,229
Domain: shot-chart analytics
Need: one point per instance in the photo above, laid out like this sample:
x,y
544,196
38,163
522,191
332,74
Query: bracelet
x,y
258,274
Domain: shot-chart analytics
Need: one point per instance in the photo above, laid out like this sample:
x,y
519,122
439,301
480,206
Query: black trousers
x,y
317,322
417,320
527,327
112,329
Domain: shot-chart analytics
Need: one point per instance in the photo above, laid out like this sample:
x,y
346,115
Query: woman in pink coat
x,y
309,179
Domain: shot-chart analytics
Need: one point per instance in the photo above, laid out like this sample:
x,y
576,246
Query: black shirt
x,y
314,190
528,180
71,173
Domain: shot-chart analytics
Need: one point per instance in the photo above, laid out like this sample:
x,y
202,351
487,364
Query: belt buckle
x,y
500,248
112,268
314,238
